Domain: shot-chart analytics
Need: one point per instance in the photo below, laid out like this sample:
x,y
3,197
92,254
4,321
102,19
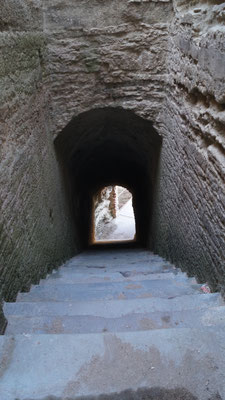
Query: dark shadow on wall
x,y
109,146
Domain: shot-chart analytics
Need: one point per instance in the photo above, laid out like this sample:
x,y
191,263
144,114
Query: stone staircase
x,y
124,324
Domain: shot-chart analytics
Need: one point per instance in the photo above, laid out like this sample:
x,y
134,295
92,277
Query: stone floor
x,y
114,324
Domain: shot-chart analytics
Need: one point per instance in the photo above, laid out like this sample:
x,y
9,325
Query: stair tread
x,y
70,277
109,290
97,267
136,321
112,259
111,321
114,256
114,308
40,366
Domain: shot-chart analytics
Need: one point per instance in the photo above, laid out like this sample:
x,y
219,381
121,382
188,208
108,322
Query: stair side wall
x,y
189,224
34,223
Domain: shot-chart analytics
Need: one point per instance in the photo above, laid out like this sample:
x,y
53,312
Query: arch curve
x,y
109,146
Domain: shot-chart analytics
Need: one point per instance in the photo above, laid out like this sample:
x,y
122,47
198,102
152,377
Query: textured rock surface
x,y
191,228
21,15
33,225
106,53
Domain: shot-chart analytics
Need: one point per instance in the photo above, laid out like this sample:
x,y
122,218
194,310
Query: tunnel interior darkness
x,y
103,147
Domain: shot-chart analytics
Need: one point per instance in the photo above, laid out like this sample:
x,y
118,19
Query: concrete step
x,y
128,276
143,269
114,308
127,323
116,259
109,291
116,254
181,363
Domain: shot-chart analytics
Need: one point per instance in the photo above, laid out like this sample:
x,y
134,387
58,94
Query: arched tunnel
x,y
109,146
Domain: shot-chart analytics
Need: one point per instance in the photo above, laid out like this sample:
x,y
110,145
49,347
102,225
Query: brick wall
x,y
34,225
190,218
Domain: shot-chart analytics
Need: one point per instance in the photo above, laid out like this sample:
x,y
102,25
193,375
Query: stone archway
x,y
109,146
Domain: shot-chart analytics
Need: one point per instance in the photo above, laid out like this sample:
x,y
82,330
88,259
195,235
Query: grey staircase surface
x,y
111,321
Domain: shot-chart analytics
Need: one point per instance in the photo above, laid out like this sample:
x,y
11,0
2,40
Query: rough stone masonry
x,y
165,61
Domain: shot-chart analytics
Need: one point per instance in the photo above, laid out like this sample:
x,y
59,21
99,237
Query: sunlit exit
x,y
114,214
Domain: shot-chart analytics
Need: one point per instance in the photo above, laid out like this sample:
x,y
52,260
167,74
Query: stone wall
x,y
106,53
165,62
190,220
34,226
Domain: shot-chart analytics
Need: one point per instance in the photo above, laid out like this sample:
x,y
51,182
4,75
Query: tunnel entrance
x,y
114,218
106,147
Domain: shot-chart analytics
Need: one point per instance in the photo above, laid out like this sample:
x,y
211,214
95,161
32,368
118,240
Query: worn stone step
x,y
112,259
128,322
158,267
108,276
186,360
125,271
123,264
114,308
115,254
109,291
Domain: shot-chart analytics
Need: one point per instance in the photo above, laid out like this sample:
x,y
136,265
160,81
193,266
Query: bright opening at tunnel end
x,y
114,218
